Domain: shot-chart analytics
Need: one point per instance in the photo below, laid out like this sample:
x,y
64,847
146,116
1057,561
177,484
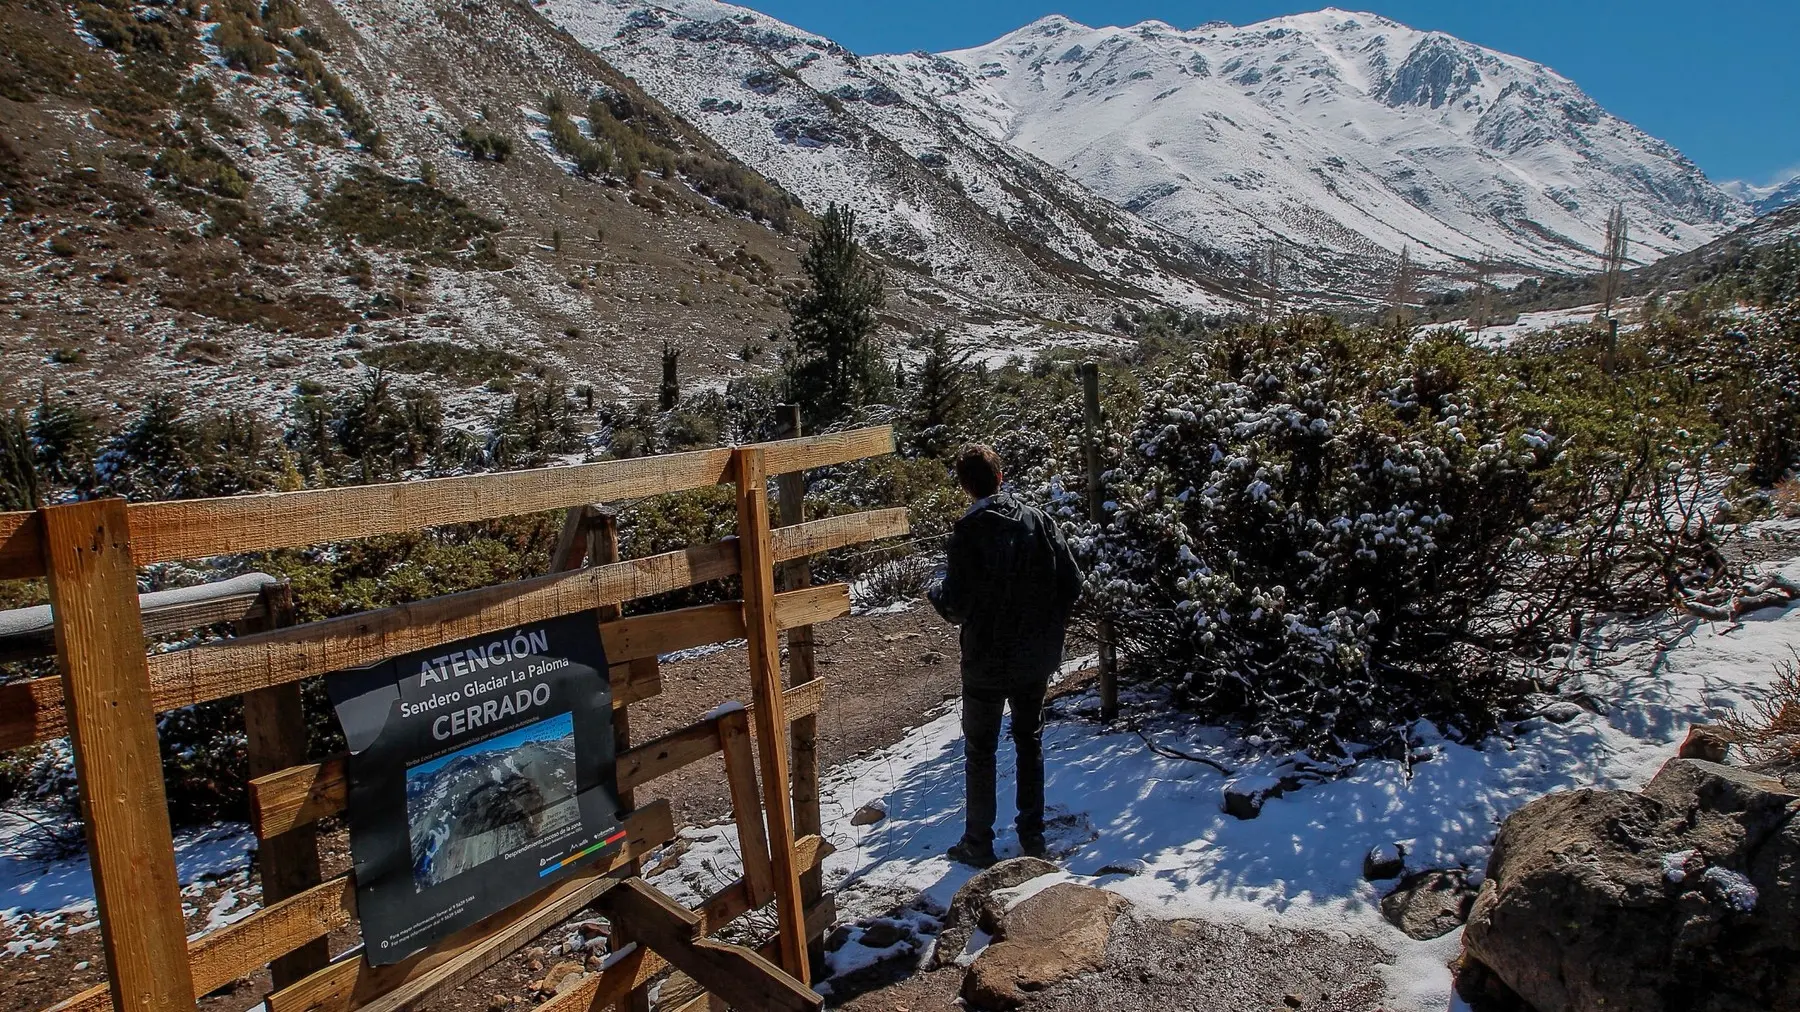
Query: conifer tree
x,y
835,367
668,394
938,408
65,437
18,464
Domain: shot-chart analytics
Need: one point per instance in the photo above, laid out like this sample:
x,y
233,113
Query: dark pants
x,y
981,740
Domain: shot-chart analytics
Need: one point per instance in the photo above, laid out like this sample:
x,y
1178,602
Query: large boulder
x,y
1684,897
1050,936
971,908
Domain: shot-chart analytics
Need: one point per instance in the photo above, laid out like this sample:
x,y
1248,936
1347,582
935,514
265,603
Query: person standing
x,y
1010,582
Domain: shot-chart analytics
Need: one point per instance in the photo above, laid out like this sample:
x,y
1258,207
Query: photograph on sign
x,y
480,772
491,797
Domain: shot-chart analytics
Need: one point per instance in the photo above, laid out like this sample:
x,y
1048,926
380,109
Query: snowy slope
x,y
977,214
1337,136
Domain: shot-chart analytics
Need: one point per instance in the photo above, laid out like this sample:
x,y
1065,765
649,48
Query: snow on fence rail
x,y
109,691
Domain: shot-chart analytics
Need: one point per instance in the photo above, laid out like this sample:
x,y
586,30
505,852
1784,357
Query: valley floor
x,y
1228,913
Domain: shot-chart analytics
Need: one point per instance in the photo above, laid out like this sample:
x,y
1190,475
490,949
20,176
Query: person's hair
x,y
978,470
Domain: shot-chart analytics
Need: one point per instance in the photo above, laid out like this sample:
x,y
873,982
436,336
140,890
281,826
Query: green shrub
x,y
387,211
1311,533
243,46
466,364
484,145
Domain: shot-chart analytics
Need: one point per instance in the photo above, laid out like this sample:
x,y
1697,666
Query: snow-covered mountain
x,y
1766,199
1337,136
976,213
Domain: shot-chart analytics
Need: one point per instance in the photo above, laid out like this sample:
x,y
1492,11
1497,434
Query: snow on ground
x,y
1157,822
1501,335
42,898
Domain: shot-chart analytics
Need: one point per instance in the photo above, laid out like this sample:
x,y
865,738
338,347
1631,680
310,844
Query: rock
x,y
869,814
1243,802
1561,712
1385,861
557,974
1430,904
886,932
1685,896
1704,742
1129,866
1050,936
965,908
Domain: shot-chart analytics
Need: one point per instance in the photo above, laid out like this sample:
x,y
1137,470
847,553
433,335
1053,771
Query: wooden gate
x,y
109,690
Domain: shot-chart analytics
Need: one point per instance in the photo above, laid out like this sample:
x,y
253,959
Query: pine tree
x,y
835,367
66,438
938,408
668,394
18,464
367,424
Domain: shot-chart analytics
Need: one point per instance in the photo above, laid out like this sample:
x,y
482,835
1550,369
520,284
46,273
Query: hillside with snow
x,y
1336,137
827,125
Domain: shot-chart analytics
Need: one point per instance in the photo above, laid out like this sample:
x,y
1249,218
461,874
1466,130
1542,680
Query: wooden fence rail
x,y
108,692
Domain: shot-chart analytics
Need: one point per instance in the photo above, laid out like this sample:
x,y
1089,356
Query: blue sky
x,y
1716,78
559,726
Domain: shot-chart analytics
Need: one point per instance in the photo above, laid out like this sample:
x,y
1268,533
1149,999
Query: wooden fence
x,y
109,690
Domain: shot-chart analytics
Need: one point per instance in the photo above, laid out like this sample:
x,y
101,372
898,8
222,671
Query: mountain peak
x,y
1052,25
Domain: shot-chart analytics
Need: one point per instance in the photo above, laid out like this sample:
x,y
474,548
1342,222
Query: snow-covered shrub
x,y
1311,530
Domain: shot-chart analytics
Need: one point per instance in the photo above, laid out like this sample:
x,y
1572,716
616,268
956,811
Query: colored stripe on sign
x,y
578,855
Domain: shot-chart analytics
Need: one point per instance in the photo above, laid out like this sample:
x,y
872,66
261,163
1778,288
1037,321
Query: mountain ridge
x,y
1339,135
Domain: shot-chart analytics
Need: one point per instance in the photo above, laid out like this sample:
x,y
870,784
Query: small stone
x,y
557,974
1704,742
869,814
1130,866
1561,712
1384,861
1430,904
884,933
1243,802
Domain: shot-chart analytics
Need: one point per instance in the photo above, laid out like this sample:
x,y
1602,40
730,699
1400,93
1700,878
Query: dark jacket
x,y
1011,583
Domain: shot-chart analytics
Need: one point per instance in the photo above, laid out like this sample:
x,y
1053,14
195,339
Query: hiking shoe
x,y
1034,846
974,855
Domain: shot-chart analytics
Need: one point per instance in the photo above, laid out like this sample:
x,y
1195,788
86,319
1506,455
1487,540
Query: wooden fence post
x,y
603,549
274,739
1090,397
756,555
112,725
790,500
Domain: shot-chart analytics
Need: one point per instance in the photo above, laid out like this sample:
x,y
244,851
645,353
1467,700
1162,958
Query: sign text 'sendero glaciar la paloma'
x,y
480,772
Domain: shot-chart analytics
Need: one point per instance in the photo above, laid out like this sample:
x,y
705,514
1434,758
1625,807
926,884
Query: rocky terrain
x,y
229,201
